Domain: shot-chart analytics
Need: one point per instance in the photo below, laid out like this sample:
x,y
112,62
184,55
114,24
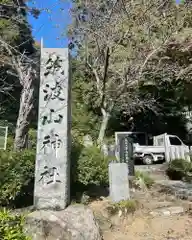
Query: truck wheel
x,y
148,160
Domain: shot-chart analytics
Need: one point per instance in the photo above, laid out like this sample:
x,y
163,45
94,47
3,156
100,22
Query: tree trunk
x,y
25,110
103,128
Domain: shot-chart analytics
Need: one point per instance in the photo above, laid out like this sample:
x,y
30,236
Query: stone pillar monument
x,y
119,182
52,173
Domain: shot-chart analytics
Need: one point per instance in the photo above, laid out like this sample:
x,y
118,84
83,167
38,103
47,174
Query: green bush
x,y
90,166
32,138
179,169
16,178
11,226
125,206
10,143
144,178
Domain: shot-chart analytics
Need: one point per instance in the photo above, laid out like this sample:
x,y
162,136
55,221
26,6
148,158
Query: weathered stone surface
x,y
176,210
154,213
168,211
179,189
53,140
76,222
119,182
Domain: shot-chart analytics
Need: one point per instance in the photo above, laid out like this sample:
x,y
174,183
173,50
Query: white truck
x,y
157,152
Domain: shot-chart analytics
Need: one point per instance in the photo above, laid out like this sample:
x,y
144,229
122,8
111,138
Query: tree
x,y
19,56
84,118
117,40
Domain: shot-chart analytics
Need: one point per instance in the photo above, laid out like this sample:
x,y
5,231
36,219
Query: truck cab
x,y
171,140
163,146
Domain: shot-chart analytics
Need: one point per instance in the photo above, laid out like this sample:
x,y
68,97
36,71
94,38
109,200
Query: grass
x,y
2,141
124,206
145,178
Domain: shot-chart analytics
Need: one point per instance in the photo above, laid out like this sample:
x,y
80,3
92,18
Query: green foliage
x,y
5,1
16,41
109,140
179,169
4,23
156,62
10,142
32,138
11,226
16,178
91,167
84,119
145,178
125,206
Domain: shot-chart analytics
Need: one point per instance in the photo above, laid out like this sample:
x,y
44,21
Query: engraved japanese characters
x,y
52,160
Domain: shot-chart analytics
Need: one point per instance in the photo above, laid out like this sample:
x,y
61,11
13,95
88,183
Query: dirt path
x,y
158,228
142,225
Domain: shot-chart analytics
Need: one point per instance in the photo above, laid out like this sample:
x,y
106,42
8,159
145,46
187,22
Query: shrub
x,y
16,178
32,138
178,169
123,207
11,226
90,167
144,179
10,143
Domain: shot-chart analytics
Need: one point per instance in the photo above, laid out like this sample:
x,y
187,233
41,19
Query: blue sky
x,y
51,25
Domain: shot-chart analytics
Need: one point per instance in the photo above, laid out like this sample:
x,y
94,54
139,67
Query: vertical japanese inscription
x,y
52,160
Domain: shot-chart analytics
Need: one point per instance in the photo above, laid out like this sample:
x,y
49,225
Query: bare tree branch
x,y
121,41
